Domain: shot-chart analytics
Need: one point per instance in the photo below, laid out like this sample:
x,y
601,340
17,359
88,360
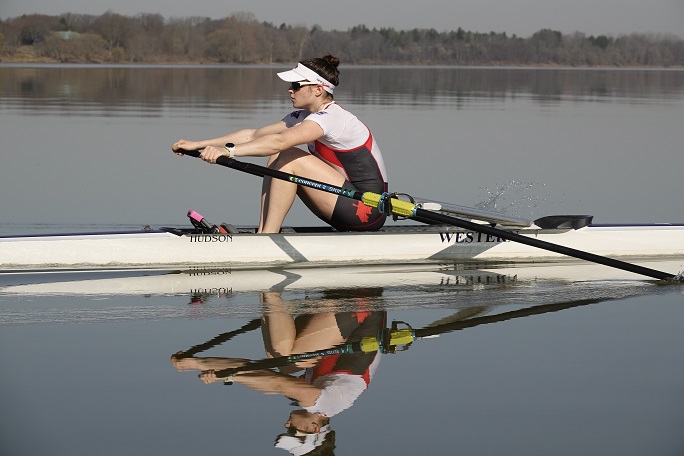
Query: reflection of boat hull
x,y
181,249
387,277
242,280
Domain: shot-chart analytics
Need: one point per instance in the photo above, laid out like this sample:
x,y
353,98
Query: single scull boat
x,y
198,246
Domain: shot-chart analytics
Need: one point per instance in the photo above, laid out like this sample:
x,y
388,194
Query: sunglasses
x,y
295,86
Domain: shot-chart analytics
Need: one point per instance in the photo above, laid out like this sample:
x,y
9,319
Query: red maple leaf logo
x,y
362,211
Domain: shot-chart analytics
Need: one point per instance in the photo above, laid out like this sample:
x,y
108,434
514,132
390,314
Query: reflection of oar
x,y
366,345
463,314
391,205
221,338
389,339
435,330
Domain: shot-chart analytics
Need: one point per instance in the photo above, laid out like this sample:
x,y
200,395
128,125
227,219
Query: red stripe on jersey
x,y
329,154
327,367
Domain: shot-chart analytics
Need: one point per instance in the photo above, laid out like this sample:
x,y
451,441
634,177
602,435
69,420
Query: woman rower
x,y
341,152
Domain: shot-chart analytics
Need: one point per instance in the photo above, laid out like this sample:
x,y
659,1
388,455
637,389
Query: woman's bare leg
x,y
281,337
278,195
265,189
277,325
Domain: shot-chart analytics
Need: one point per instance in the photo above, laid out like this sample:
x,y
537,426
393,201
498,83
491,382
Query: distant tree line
x,y
241,38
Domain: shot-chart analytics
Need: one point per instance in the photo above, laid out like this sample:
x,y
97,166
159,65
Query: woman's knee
x,y
284,160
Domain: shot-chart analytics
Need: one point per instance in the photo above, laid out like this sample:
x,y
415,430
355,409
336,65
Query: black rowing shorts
x,y
353,215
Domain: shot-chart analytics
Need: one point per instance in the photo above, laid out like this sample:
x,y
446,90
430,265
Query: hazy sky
x,y
521,17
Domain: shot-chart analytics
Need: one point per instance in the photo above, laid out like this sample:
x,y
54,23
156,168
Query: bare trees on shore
x,y
241,38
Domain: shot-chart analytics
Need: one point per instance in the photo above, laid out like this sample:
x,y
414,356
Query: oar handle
x,y
192,153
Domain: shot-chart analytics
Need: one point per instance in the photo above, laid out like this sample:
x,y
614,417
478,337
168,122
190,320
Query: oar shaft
x,y
274,173
512,236
261,171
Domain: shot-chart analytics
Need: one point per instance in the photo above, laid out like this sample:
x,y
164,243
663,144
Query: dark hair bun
x,y
331,60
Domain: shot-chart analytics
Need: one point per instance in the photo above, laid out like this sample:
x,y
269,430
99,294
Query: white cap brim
x,y
303,73
291,76
298,446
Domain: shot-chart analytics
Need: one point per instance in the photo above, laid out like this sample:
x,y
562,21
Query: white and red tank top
x,y
347,145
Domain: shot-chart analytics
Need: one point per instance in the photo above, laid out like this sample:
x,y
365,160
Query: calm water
x,y
525,363
92,145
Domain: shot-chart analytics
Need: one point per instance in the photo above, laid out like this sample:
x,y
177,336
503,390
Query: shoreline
x,y
500,65
24,56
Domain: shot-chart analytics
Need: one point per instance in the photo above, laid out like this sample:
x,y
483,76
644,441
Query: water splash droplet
x,y
515,197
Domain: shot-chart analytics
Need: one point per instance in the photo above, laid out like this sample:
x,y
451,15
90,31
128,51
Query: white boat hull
x,y
161,249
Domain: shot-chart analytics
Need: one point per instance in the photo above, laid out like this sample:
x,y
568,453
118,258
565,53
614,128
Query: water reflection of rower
x,y
322,396
322,385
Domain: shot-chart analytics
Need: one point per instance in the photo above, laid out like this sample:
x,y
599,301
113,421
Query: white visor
x,y
301,444
302,73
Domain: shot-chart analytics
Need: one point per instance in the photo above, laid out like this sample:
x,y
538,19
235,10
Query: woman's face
x,y
303,421
302,94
